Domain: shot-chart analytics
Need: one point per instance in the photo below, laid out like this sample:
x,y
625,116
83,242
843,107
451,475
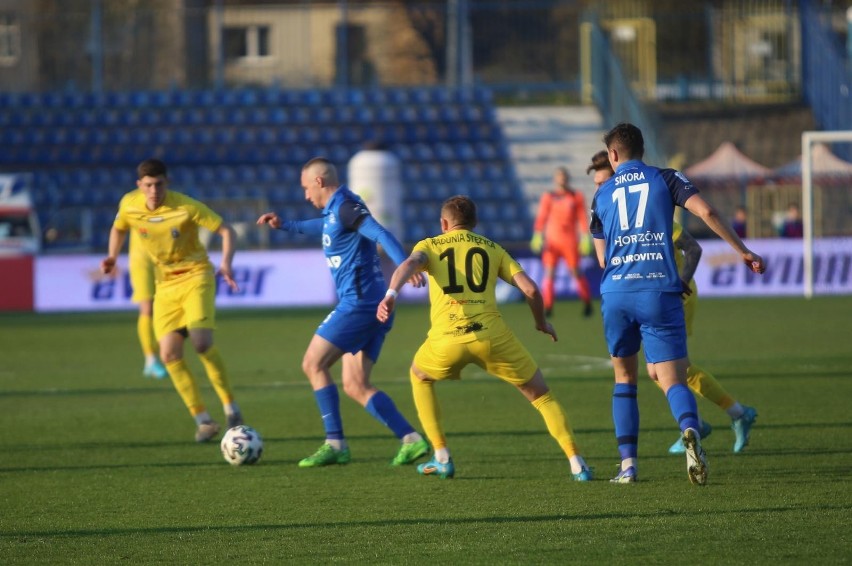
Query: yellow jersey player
x,y
699,380
184,302
141,270
467,328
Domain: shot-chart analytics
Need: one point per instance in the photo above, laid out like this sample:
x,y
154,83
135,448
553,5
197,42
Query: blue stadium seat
x,y
495,171
234,193
279,116
267,136
339,153
255,192
207,117
343,115
312,97
410,211
259,116
247,97
267,174
365,114
398,96
286,136
444,152
423,152
245,136
519,231
278,195
308,135
300,115
485,151
246,174
272,96
376,97
330,134
182,175
403,151
356,134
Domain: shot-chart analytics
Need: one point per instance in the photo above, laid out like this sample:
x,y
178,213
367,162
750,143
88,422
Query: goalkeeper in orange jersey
x,y
559,224
699,380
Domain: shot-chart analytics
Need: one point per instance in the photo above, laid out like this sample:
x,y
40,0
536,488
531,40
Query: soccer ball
x,y
241,445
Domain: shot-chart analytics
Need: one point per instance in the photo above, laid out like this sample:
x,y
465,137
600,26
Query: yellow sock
x,y
557,423
428,411
704,384
186,386
215,368
145,330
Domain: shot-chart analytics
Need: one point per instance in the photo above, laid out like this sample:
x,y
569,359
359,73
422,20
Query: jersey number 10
x,y
454,287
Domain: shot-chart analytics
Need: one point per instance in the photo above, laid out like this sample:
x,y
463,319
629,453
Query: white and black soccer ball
x,y
241,445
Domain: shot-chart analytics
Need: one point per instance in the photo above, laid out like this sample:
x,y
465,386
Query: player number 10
x,y
620,197
469,262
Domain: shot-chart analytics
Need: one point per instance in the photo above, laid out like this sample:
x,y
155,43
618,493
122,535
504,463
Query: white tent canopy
x,y
727,162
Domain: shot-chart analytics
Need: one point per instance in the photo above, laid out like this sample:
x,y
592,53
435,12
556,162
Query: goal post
x,y
808,141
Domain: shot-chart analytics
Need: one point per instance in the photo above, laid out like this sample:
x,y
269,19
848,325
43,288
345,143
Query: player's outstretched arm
x,y
535,302
270,218
312,227
116,242
370,228
706,212
409,268
229,243
691,254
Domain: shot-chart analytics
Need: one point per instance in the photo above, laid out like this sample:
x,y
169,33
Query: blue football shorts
x,y
355,328
650,317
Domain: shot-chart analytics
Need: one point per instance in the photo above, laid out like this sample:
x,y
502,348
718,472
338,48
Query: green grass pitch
x,y
99,465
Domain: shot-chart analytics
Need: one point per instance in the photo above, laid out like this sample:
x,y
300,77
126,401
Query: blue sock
x,y
383,410
625,416
328,402
683,406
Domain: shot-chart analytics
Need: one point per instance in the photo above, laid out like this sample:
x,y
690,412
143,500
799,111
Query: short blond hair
x,y
461,210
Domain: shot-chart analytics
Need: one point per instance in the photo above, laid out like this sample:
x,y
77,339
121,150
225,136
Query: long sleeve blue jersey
x,y
349,237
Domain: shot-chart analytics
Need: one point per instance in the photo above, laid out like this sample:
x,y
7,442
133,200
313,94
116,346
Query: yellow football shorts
x,y
141,277
502,356
185,302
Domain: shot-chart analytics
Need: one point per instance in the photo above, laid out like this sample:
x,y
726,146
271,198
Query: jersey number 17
x,y
619,196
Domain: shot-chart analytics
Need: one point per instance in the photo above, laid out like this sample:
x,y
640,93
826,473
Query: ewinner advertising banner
x,y
291,278
721,272
301,277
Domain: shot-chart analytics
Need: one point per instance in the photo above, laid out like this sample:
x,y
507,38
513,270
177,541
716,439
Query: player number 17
x,y
620,197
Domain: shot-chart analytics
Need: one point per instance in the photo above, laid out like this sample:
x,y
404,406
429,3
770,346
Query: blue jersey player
x,y
631,221
351,332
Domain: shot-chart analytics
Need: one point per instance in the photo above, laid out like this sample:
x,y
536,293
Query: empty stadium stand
x,y
241,151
